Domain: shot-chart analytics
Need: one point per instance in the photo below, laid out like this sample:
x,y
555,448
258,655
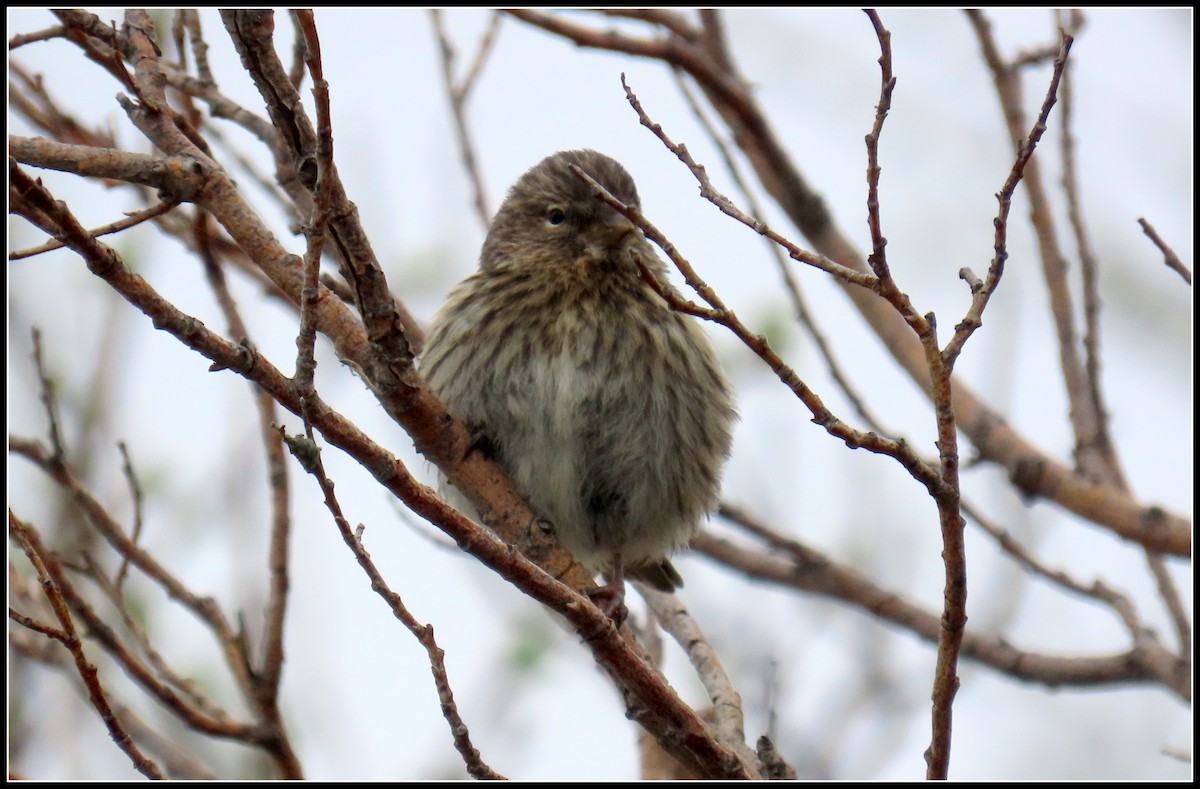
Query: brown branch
x,y
208,718
322,211
57,455
941,364
310,458
658,708
797,566
155,665
721,314
1169,257
203,608
670,20
177,763
877,260
1085,420
135,491
1033,472
268,669
948,497
1170,669
29,623
390,328
948,494
50,576
981,293
177,176
791,284
190,20
457,92
727,207
21,39
130,220
1104,463
32,99
943,487
98,42
196,712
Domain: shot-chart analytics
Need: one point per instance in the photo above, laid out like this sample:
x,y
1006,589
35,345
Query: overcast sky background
x,y
851,695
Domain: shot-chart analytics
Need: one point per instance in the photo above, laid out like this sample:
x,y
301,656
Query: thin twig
x,y
1097,590
33,100
1103,462
665,18
806,569
131,219
191,22
21,39
487,43
312,463
719,313
204,608
1086,422
726,206
457,92
269,668
49,403
445,441
1169,257
154,659
948,497
135,491
981,292
50,576
393,333
98,42
1035,473
318,222
791,283
878,257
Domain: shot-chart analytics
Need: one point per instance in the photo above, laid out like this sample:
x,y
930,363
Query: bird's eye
x,y
556,216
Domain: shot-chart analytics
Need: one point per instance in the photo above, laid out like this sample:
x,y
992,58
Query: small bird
x,y
605,407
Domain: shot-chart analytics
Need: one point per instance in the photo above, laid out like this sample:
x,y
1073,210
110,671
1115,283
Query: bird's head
x,y
552,217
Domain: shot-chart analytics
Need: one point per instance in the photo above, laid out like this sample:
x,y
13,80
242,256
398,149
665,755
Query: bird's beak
x,y
618,225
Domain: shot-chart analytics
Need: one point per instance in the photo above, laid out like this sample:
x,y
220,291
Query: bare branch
x,y
1169,257
983,292
21,39
50,576
1085,420
726,701
457,92
1034,472
131,219
135,490
719,313
660,710
793,564
312,463
726,205
791,284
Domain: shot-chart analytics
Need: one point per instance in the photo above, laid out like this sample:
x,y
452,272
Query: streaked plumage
x,y
606,407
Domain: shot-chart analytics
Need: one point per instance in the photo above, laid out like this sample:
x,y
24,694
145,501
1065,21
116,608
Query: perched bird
x,y
605,407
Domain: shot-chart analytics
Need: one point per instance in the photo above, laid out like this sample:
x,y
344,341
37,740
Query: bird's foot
x,y
610,598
